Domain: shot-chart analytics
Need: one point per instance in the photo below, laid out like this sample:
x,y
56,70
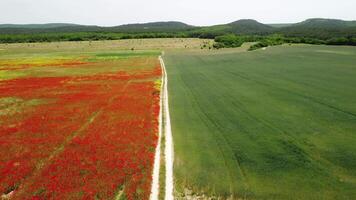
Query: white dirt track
x,y
164,122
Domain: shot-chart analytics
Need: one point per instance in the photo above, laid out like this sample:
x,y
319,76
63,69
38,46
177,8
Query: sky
x,y
194,12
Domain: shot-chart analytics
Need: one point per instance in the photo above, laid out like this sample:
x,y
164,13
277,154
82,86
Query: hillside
x,y
249,26
321,28
239,27
280,25
67,28
326,23
316,29
37,26
152,27
46,28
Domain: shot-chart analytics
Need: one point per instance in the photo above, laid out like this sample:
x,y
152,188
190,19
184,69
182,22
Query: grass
x,y
73,63
112,45
270,124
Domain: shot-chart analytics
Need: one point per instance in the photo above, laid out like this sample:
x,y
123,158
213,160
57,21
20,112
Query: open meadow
x,y
77,125
106,45
84,120
276,123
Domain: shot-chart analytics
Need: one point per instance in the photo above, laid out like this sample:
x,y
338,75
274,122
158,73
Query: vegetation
x,y
268,41
134,45
320,28
276,124
312,31
157,27
81,36
85,123
228,41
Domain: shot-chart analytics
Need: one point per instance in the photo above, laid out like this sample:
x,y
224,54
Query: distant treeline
x,y
221,41
312,31
231,41
82,36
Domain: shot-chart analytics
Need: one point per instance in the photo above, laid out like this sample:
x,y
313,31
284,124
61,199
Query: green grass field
x,y
278,123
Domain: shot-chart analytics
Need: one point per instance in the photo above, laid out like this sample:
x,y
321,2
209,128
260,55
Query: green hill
x,y
321,28
326,23
249,26
240,27
46,28
317,30
152,27
65,28
37,26
280,25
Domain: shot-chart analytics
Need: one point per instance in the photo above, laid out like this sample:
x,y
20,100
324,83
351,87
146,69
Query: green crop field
x,y
269,124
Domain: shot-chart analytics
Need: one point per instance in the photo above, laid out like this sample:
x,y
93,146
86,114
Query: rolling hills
x,y
321,28
65,28
41,26
243,26
315,29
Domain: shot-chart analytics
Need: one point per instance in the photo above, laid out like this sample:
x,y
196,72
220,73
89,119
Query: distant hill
x,y
314,28
46,28
280,25
240,27
152,27
325,23
65,28
38,26
249,26
321,28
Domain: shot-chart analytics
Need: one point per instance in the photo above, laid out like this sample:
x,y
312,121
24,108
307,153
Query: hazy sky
x,y
195,12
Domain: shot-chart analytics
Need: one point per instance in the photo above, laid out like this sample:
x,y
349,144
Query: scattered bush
x,y
228,41
342,41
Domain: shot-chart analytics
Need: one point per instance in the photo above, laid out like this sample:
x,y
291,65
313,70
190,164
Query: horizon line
x,y
83,24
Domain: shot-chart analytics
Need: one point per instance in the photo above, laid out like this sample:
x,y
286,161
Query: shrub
x,y
228,41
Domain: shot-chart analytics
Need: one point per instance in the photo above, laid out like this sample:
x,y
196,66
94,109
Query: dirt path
x,y
156,165
164,128
168,138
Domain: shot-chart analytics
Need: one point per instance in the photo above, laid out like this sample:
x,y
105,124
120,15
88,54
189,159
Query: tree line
x,y
222,40
231,41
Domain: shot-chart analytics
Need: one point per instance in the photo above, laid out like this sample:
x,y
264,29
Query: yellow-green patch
x,y
13,105
158,84
10,74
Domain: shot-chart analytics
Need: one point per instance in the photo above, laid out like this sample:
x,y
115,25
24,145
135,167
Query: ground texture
x,y
76,125
270,124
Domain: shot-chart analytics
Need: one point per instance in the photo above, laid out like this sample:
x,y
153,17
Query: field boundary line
x,y
157,161
169,154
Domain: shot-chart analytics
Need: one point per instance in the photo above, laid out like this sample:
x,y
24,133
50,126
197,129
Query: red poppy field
x,y
78,126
